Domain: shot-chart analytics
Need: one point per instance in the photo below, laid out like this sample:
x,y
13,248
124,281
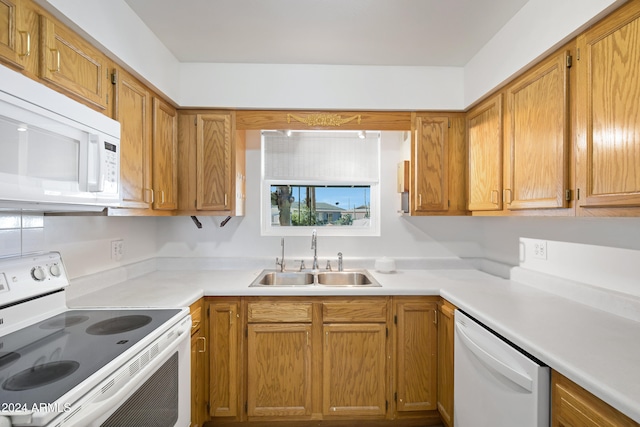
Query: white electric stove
x,y
86,367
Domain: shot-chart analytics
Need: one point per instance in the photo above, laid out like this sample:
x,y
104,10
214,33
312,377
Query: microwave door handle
x,y
96,165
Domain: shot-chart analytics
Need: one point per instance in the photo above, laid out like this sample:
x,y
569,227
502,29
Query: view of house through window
x,y
327,180
334,205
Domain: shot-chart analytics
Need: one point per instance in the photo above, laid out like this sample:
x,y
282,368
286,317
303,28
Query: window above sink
x,y
325,180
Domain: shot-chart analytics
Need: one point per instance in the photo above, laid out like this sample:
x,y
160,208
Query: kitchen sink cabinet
x,y
279,376
212,164
573,406
70,64
529,171
416,349
225,362
438,164
355,372
198,366
608,115
446,324
165,156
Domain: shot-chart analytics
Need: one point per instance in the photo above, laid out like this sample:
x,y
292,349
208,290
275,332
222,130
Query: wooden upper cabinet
x,y
165,154
608,115
537,131
16,39
438,165
213,167
73,65
417,353
132,108
211,164
484,136
429,162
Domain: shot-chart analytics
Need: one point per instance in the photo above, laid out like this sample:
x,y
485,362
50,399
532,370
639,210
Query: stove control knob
x,y
55,270
38,274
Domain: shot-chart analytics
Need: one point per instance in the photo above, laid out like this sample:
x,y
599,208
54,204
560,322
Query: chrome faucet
x,y
280,262
339,261
314,246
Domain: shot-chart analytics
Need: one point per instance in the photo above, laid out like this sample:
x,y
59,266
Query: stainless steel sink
x,y
356,278
283,278
346,278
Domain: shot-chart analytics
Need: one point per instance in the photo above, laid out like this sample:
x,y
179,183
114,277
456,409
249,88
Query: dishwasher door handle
x,y
493,362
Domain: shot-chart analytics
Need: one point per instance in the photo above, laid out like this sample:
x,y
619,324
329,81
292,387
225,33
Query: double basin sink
x,y
359,278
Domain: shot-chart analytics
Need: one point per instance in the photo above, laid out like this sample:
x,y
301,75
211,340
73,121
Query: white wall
x,y
538,27
85,241
321,87
499,238
400,236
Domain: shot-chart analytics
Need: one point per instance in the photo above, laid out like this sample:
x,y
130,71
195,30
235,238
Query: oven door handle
x,y
117,392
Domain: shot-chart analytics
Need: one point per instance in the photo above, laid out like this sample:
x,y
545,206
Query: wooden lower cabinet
x,y
198,366
416,353
446,325
322,360
354,369
225,350
573,406
279,353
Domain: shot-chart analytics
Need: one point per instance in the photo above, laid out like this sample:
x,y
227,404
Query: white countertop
x,y
595,349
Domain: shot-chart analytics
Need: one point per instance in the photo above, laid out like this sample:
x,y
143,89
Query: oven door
x,y
157,394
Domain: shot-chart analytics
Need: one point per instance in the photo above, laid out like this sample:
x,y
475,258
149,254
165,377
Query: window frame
x,y
267,229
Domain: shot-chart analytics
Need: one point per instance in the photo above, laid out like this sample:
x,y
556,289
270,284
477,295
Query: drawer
x,y
276,312
355,311
196,315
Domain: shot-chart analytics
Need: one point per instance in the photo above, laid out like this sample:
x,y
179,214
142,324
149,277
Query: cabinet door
x,y
537,133
573,406
15,38
72,64
354,372
430,164
417,352
279,369
133,111
224,359
214,162
484,135
608,113
445,362
165,156
198,352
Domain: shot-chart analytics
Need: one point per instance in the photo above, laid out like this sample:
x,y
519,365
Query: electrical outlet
x,y
540,249
117,247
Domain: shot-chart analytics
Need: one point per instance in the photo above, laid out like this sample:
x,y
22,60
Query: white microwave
x,y
56,154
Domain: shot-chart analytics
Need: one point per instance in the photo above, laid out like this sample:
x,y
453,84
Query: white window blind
x,y
337,157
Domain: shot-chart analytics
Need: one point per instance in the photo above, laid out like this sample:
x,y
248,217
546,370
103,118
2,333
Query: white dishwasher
x,y
495,383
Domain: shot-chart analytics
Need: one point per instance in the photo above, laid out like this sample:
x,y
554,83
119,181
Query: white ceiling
x,y
339,32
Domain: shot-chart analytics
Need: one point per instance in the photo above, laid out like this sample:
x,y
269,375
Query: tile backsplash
x,y
21,232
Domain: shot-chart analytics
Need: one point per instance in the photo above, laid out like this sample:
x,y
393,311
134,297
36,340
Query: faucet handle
x,y
302,266
328,267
